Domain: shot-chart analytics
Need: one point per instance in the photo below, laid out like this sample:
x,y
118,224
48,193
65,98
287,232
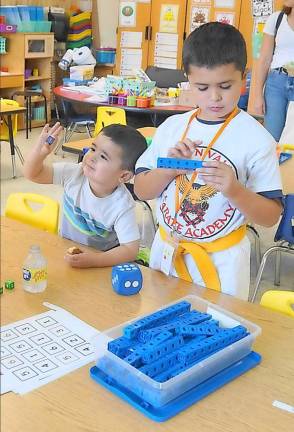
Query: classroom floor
x,y
20,184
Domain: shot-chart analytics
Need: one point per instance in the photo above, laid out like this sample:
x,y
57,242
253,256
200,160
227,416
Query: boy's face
x,y
217,91
102,165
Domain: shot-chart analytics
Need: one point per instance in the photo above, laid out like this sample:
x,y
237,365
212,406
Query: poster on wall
x,y
225,17
262,8
127,14
224,4
199,16
169,18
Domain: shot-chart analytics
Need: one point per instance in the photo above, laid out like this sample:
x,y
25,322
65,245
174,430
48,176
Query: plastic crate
x,y
105,55
2,45
160,393
7,28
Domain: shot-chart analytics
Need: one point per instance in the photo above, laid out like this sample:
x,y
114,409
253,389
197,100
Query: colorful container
x,y
143,102
105,55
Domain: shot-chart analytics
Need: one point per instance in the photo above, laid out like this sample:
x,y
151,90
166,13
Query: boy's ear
x,y
126,176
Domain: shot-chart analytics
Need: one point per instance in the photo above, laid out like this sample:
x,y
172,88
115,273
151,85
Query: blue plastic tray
x,y
185,400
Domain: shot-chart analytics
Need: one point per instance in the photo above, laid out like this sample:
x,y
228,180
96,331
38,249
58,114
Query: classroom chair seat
x,y
4,130
45,217
107,116
285,243
280,301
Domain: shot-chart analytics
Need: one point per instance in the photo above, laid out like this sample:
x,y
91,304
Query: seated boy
x,y
98,210
202,216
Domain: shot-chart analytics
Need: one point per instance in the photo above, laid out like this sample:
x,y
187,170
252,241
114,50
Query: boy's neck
x,y
206,118
102,191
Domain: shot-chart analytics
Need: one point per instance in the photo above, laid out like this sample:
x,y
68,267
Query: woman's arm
x,y
263,65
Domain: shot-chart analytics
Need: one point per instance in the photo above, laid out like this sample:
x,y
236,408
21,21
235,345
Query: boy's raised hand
x,y
221,176
49,137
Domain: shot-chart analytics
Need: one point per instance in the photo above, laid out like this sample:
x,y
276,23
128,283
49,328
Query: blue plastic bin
x,y
105,55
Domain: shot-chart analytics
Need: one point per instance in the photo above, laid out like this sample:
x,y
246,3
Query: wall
x,y
107,21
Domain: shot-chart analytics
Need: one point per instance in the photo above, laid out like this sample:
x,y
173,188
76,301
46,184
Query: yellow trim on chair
x,y
280,301
45,218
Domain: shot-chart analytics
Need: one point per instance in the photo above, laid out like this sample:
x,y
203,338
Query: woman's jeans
x,y
278,92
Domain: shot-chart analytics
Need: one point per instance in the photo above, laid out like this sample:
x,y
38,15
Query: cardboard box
x,y
81,72
187,98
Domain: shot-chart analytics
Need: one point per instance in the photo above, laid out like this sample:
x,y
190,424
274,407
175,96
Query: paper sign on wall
x,y
199,16
224,4
169,18
262,8
127,14
225,17
131,39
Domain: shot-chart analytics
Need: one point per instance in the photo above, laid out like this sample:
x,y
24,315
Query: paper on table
x,y
41,348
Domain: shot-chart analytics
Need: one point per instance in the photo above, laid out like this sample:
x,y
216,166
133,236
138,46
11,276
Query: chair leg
x,y
256,244
262,265
19,153
88,131
277,268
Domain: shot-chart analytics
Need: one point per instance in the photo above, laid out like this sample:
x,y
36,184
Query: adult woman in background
x,y
275,72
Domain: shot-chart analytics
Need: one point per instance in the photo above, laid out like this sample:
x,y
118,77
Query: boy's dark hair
x,y
132,143
215,44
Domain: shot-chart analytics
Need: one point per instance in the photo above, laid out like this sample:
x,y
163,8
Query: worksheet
x,y
42,348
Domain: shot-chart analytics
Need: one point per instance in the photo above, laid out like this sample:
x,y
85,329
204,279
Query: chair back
x,y
285,229
4,132
45,217
107,116
280,301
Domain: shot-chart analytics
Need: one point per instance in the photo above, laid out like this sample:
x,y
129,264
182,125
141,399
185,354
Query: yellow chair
x,y
280,301
4,132
45,217
107,116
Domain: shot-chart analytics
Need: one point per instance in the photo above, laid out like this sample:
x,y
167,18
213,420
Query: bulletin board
x,y
202,11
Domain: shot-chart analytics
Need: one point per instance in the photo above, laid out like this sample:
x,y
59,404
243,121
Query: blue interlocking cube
x,y
126,279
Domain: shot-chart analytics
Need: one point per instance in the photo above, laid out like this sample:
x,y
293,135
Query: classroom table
x,y
76,403
71,95
8,111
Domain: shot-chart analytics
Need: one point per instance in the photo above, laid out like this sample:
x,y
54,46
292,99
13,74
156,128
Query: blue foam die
x,y
126,279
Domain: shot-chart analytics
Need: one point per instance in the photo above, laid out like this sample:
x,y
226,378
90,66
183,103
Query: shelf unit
x,y
28,51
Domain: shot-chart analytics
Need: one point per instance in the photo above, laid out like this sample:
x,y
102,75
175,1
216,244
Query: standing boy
x,y
98,210
202,216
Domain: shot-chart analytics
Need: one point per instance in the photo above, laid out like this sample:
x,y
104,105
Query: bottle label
x,y
34,275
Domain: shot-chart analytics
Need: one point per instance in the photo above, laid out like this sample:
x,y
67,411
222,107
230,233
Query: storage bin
x,y
122,100
157,393
105,55
143,102
112,99
131,101
7,28
43,26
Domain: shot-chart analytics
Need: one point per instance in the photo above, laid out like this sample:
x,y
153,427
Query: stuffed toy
x,y
77,56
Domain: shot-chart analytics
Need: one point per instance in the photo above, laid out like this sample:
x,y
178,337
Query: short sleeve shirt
x,y
102,223
206,214
284,48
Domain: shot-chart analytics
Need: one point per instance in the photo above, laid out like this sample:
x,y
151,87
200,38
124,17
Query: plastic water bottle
x,y
34,272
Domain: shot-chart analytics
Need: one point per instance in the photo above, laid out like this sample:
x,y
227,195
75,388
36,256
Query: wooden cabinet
x,y
154,38
28,60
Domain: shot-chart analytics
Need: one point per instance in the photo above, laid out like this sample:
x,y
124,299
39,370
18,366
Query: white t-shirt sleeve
x,y
126,227
270,25
264,172
63,171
